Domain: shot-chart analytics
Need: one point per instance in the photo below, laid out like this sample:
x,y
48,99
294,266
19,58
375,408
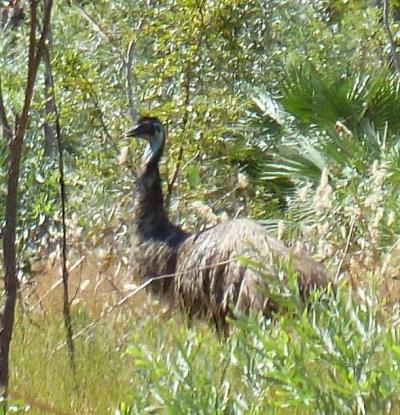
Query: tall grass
x,y
41,376
339,354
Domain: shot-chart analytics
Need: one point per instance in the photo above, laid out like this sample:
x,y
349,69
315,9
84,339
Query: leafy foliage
x,y
339,358
286,112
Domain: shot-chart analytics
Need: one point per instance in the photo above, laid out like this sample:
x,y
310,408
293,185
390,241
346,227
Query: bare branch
x,y
55,285
128,81
171,183
3,117
50,140
101,31
139,288
346,249
34,56
126,60
393,46
105,36
93,95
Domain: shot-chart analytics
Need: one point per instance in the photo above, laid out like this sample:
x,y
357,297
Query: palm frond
x,y
382,103
356,100
267,107
304,161
313,98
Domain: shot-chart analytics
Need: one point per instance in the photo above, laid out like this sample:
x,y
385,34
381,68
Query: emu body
x,y
209,279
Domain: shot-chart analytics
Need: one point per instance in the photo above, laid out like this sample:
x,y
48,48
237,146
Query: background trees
x,y
284,111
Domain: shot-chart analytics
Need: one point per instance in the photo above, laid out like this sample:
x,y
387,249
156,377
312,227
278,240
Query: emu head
x,y
150,129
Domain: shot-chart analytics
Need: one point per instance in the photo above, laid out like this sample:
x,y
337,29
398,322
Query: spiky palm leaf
x,y
315,99
355,100
341,124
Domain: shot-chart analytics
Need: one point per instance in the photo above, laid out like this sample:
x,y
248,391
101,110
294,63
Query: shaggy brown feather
x,y
217,290
210,280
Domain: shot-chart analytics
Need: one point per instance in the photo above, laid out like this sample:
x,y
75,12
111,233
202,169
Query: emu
x,y
208,279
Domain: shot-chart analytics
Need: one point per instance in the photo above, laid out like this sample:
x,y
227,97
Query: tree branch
x,y
126,60
171,183
34,56
392,42
101,31
93,95
138,289
128,81
3,117
50,140
187,98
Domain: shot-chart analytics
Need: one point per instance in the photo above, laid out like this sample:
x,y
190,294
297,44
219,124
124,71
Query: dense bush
x,y
286,111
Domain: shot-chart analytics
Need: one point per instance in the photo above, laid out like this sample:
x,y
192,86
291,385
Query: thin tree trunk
x,y
393,46
65,274
50,140
15,150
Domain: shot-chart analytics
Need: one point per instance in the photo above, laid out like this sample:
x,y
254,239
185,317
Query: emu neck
x,y
149,212
150,219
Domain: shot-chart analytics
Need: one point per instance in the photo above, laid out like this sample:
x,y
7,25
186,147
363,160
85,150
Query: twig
x,y
171,183
128,81
3,117
106,312
57,284
186,114
100,30
184,122
103,124
93,94
346,249
136,291
126,60
392,42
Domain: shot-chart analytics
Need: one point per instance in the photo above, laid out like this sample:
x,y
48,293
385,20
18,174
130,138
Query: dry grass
x,y
40,375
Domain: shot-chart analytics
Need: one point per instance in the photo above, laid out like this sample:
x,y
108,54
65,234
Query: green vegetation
x,y
342,357
287,112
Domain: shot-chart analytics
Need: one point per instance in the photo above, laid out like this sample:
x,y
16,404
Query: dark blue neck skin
x,y
151,221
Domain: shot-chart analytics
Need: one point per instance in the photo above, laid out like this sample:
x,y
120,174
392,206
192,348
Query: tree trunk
x,y
15,149
10,280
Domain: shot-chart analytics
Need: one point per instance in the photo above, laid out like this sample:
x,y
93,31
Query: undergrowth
x,y
341,355
338,355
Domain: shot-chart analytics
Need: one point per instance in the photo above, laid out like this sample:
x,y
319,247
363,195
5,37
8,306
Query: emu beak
x,y
133,132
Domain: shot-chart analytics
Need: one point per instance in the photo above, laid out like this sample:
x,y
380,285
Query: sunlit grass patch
x,y
41,372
